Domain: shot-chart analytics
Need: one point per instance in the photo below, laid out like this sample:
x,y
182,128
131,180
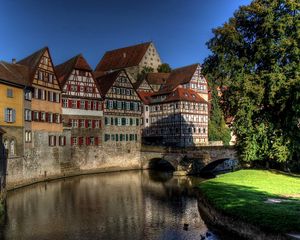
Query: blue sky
x,y
178,28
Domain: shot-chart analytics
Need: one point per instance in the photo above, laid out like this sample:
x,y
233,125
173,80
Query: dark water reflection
x,y
124,205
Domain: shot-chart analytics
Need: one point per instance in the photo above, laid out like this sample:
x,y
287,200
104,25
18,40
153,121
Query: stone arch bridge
x,y
186,160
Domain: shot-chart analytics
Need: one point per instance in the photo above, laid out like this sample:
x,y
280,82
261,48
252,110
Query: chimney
x,y
124,54
13,61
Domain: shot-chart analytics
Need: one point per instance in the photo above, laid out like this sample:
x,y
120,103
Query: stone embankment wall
x,y
45,163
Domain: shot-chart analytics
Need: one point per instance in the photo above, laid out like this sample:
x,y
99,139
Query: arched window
x,y
6,143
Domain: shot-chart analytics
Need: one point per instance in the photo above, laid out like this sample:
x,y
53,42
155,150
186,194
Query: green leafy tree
x,y
255,61
217,128
144,72
164,68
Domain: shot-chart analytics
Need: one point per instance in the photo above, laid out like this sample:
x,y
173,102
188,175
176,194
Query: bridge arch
x,y
161,165
223,164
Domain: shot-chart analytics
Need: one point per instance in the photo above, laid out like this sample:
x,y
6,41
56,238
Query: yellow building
x,y
46,99
13,81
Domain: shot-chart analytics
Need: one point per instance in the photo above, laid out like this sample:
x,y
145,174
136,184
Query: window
x,y
147,109
90,124
50,96
97,125
119,121
9,93
57,97
65,103
119,104
74,123
74,141
10,115
123,121
89,105
52,140
92,141
27,115
27,136
41,75
50,78
74,104
12,147
137,121
82,123
50,117
62,140
94,105
43,116
82,104
57,118
28,95
106,137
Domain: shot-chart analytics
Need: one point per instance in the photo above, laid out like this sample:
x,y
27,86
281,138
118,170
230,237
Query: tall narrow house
x,y
46,121
133,59
81,101
122,111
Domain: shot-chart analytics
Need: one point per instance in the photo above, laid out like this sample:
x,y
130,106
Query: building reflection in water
x,y
126,205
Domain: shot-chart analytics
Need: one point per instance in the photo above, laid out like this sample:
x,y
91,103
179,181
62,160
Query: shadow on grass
x,y
248,204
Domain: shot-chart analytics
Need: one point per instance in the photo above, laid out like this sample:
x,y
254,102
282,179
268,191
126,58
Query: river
x,y
122,205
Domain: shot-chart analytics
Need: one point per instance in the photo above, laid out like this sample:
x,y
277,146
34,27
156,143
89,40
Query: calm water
x,y
124,205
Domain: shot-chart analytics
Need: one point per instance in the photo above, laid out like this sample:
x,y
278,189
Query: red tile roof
x,y
157,78
32,61
106,81
15,74
123,57
64,70
145,97
184,94
179,76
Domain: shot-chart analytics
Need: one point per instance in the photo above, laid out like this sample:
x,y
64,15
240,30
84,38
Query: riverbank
x,y
264,199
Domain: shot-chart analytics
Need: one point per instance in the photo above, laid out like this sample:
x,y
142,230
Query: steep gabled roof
x,y
157,78
106,81
184,94
64,70
32,61
15,74
139,82
123,57
179,76
145,97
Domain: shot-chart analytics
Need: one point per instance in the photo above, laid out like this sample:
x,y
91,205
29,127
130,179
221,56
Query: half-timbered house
x,y
81,101
179,118
121,110
179,110
46,121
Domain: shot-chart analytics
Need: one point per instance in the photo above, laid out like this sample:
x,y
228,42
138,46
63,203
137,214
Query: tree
x,y
255,61
164,68
217,128
144,72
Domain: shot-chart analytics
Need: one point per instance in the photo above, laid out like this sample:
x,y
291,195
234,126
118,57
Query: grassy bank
x,y
262,198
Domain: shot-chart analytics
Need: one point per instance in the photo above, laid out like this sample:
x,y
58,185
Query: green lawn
x,y
244,193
